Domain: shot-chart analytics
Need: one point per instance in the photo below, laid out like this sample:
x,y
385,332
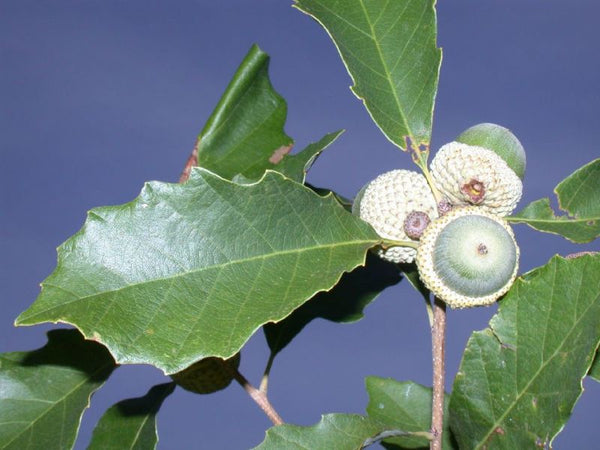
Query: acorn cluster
x,y
465,251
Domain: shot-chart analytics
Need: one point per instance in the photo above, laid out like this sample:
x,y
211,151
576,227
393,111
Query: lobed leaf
x,y
389,49
579,196
245,133
190,271
520,378
246,128
131,424
43,393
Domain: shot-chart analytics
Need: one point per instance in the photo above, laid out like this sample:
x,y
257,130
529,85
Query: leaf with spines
x,y
131,424
527,367
188,271
389,49
579,196
43,393
399,414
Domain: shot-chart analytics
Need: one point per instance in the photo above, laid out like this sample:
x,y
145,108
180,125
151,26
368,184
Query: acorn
x,y
387,202
468,257
208,375
500,140
471,175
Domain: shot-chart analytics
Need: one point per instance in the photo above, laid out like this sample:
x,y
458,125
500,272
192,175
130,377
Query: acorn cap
x,y
500,140
208,375
468,257
470,175
385,204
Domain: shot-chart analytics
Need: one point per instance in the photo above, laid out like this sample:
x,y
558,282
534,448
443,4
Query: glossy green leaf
x,y
131,424
520,378
578,196
343,303
389,49
189,271
43,393
245,131
399,414
245,136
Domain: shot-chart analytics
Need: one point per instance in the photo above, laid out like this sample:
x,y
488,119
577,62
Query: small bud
x,y
415,223
386,202
444,207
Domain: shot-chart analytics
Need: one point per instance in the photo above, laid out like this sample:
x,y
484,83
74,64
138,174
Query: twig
x,y
259,398
438,333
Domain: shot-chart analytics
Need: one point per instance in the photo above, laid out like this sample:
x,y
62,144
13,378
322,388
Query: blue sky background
x,y
97,97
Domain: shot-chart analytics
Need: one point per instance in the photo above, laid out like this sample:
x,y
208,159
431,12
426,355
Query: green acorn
x,y
208,375
468,257
500,140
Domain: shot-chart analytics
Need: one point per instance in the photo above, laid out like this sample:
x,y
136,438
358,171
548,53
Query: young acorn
x,y
483,167
208,375
468,257
398,205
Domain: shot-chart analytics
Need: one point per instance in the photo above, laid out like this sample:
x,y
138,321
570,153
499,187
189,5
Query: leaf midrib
x,y
379,54
25,318
386,68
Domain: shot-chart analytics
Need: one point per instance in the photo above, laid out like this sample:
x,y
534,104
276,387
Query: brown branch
x,y
438,334
259,397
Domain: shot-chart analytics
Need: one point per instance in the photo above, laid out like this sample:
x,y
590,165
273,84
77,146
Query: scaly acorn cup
x,y
386,203
468,257
208,375
500,140
470,175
